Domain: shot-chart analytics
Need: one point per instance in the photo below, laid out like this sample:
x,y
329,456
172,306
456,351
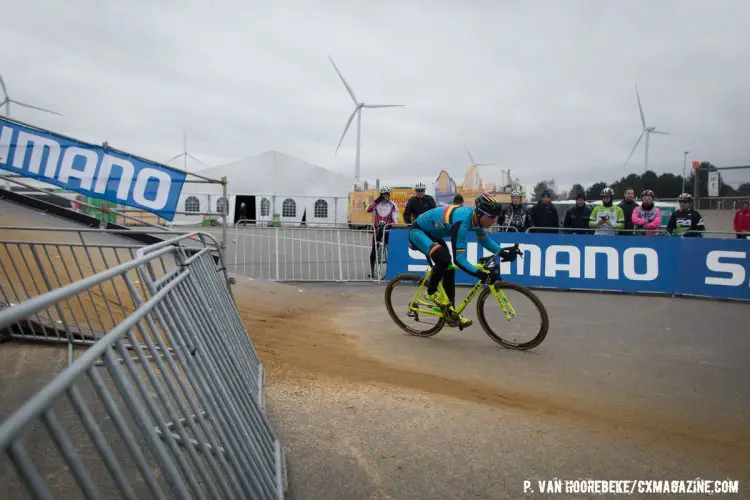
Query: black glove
x,y
509,254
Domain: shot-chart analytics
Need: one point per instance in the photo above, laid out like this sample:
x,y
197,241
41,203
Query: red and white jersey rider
x,y
383,209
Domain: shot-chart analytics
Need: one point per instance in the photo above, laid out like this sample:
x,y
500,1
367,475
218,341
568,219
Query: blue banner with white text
x,y
709,267
92,170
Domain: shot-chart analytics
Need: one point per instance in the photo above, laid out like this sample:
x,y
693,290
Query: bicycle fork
x,y
503,301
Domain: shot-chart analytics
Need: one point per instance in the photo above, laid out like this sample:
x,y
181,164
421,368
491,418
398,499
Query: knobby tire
x,y
538,339
388,292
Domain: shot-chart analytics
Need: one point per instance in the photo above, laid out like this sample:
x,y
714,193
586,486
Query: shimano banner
x,y
669,265
714,268
91,170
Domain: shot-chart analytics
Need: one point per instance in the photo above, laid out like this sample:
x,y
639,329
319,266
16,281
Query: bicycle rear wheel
x,y
381,266
526,329
399,292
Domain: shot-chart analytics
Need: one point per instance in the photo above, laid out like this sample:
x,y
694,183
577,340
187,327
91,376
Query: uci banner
x,y
90,170
668,265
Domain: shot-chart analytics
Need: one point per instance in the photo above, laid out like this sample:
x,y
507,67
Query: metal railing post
x,y
225,213
276,237
338,246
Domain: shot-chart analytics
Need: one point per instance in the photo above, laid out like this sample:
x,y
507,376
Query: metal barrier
x,y
690,233
566,230
293,252
32,268
183,418
300,253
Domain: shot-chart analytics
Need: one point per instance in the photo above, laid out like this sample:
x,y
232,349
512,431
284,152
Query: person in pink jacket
x,y
647,217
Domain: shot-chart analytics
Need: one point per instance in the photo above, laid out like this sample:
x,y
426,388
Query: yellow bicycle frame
x,y
499,295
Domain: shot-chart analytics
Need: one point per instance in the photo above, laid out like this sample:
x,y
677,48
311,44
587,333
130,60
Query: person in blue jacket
x,y
427,234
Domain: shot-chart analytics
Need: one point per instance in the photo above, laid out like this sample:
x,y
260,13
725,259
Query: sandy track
x,y
299,336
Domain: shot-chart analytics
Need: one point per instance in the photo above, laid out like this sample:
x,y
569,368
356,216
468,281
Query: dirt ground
x,y
304,337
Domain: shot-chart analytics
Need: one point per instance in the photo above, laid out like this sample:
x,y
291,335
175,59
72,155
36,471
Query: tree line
x,y
665,186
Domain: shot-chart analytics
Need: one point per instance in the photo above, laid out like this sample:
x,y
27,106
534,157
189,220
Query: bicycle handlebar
x,y
483,261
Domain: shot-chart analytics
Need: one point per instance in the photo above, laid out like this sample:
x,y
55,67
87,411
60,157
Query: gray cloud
x,y
543,88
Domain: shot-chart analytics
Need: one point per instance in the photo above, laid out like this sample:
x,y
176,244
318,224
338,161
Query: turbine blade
x,y
470,157
174,157
196,159
636,145
4,101
349,122
348,88
659,132
5,89
34,107
384,105
643,117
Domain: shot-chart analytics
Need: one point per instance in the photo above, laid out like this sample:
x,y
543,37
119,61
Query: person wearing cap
x,y
577,217
544,215
647,217
607,218
418,204
515,218
685,221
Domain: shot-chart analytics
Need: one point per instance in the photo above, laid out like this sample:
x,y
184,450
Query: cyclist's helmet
x,y
385,190
487,204
607,192
516,192
419,187
648,192
685,197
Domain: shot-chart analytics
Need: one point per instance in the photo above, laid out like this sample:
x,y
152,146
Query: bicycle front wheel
x,y
414,318
519,323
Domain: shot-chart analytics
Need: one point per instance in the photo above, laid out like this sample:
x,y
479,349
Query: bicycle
x,y
381,253
417,305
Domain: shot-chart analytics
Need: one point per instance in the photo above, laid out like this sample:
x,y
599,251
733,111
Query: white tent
x,y
268,184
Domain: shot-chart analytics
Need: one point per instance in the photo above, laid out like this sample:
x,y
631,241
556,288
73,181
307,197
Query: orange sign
x,y
696,164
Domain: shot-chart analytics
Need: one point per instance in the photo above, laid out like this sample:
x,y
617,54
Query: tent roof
x,y
275,172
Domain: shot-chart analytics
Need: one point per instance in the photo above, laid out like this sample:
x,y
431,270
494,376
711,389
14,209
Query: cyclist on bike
x,y
427,234
384,212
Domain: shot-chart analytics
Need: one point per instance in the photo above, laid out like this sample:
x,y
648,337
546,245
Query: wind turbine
x,y
647,131
7,100
185,154
357,111
473,163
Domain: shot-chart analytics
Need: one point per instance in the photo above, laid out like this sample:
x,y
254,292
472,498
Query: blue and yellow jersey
x,y
455,222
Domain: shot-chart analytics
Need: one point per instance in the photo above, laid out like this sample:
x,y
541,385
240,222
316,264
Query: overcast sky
x,y
545,88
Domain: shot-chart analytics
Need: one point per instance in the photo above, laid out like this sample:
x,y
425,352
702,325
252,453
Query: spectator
x,y
607,218
458,200
515,215
418,204
384,212
628,205
577,217
686,219
647,217
742,221
544,215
